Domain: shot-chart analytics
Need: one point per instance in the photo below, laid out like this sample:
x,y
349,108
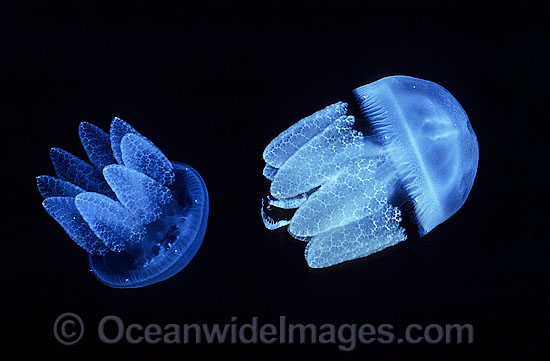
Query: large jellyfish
x,y
348,187
140,217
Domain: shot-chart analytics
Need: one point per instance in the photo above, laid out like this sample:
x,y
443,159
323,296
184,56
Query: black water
x,y
211,84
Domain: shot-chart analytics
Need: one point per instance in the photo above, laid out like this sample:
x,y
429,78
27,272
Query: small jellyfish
x,y
140,217
348,187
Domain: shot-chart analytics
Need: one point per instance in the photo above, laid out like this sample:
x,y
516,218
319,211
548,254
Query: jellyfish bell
x,y
168,244
429,139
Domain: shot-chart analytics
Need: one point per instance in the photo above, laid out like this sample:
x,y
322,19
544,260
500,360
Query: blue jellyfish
x,y
140,217
348,187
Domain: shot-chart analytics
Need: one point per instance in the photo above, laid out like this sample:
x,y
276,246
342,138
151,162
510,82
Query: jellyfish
x,y
347,186
140,217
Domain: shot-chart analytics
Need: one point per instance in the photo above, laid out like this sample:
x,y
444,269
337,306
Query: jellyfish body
x,y
140,217
347,187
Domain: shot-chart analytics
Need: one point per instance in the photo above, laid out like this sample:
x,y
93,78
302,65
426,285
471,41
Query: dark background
x,y
211,84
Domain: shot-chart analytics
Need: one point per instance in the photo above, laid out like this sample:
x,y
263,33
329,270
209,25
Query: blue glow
x,y
348,186
141,217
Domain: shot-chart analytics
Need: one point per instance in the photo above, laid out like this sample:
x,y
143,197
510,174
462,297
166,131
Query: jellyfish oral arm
x,y
340,182
356,240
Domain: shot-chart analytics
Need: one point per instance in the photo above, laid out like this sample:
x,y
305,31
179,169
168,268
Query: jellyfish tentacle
x,y
70,168
288,142
143,196
49,186
269,222
110,220
97,145
64,211
141,154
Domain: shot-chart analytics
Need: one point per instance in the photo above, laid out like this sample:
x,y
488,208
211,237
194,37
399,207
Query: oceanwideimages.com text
x,y
69,329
